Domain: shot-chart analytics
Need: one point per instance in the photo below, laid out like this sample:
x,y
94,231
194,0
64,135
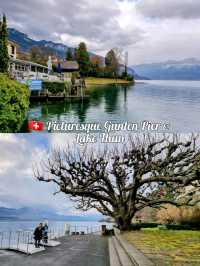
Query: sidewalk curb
x,y
113,256
136,257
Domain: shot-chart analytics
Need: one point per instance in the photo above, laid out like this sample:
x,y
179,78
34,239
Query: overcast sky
x,y
18,187
150,30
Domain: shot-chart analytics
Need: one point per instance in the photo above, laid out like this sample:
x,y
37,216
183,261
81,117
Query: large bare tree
x,y
149,171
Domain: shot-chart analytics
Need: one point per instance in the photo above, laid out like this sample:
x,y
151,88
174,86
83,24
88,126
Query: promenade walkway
x,y
87,250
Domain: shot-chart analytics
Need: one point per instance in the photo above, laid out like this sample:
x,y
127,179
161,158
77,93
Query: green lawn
x,y
168,247
105,81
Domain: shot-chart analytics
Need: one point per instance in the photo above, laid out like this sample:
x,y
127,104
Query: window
x,y
33,68
12,49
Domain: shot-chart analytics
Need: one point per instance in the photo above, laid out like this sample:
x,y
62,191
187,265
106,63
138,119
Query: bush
x,y
190,216
162,227
14,103
182,215
180,227
127,77
56,87
169,214
156,227
138,226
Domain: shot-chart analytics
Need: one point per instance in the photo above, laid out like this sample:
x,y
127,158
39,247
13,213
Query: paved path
x,y
73,251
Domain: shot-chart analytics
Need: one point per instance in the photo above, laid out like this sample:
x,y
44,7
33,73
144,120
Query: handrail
x,y
15,239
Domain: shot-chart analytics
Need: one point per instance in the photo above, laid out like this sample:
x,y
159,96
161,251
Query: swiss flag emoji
x,y
36,126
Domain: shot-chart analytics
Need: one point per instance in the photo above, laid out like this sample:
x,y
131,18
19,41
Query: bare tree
x,y
150,171
119,53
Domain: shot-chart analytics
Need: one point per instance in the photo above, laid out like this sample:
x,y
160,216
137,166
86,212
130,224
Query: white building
x,y
21,69
12,49
25,70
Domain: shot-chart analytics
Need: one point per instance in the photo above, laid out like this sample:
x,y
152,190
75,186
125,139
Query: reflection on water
x,y
177,103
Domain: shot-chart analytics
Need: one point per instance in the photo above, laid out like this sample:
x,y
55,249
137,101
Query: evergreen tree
x,y
0,30
69,55
83,59
4,57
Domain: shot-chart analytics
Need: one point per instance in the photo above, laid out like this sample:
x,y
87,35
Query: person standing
x,y
45,232
38,235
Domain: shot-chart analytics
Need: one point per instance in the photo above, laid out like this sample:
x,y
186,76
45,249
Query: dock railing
x,y
24,238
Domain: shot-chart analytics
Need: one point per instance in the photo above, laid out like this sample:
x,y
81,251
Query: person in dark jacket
x,y
38,233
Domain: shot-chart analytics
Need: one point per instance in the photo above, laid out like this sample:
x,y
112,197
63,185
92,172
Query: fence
x,y
21,239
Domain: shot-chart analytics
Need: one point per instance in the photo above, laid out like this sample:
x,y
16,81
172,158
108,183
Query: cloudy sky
x,y
19,155
18,187
150,30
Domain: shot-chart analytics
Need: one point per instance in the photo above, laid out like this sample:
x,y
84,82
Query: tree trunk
x,y
124,223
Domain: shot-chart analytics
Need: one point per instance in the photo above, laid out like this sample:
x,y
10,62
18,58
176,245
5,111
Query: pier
x,y
74,250
51,98
75,92
23,241
81,247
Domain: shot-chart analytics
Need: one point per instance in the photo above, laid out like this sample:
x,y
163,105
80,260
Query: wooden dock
x,y
75,93
46,98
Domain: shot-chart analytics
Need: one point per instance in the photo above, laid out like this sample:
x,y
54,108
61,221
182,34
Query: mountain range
x,y
27,43
33,214
59,49
187,69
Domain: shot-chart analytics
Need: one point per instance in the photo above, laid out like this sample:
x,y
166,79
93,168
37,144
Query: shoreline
x,y
106,81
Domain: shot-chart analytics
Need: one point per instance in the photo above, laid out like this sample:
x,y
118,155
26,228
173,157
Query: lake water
x,y
6,226
176,103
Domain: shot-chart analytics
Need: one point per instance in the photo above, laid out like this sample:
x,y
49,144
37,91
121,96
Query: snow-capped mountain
x,y
187,69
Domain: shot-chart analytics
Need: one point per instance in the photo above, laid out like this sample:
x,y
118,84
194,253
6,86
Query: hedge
x,y
189,226
55,87
14,103
138,226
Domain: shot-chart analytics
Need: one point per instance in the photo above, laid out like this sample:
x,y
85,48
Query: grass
x,y
168,247
105,81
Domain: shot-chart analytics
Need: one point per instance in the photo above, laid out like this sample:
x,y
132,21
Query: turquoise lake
x,y
176,103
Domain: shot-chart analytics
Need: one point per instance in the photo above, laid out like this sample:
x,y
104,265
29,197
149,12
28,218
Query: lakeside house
x,y
27,70
24,69
68,68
